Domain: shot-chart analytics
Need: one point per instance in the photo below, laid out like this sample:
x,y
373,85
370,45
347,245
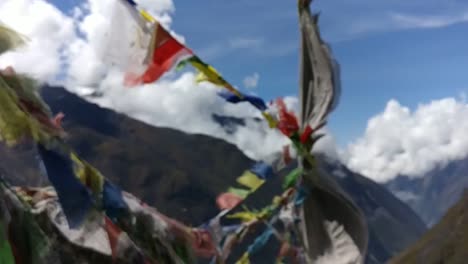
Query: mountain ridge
x,y
433,193
446,242
180,174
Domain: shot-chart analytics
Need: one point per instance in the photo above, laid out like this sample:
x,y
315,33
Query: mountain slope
x,y
181,174
446,242
392,224
434,193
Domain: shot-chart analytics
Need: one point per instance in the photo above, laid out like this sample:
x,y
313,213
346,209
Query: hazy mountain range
x,y
435,192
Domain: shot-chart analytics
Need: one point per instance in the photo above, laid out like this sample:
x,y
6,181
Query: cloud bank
x,y
399,141
69,48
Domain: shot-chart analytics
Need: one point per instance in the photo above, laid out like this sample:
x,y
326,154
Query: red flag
x,y
113,232
228,201
287,124
203,244
167,50
286,155
305,136
287,250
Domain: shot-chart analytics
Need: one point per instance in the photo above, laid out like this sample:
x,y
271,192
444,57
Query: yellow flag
x,y
250,180
239,192
244,216
147,16
272,122
16,124
244,259
88,175
201,77
9,39
208,73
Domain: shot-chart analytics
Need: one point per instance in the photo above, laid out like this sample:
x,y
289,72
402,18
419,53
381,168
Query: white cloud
x,y
395,21
178,102
418,21
252,81
399,141
48,31
245,43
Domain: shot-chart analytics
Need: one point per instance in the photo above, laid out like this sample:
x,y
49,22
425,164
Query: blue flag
x,y
74,197
260,241
112,200
262,170
253,100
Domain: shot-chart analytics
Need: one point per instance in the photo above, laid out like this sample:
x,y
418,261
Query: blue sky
x,y
412,51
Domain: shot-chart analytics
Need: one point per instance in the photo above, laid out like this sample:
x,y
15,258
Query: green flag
x,y
6,254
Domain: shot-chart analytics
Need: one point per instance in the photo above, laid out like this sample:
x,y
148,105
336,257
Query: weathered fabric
x,y
319,94
9,39
39,231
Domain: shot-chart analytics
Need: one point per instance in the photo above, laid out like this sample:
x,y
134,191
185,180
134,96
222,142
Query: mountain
x,y
446,242
434,193
392,224
180,174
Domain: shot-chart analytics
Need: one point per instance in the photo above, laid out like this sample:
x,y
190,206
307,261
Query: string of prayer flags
x,y
74,197
102,189
252,179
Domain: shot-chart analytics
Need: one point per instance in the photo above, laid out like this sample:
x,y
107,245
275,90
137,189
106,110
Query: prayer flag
x,y
74,197
250,180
